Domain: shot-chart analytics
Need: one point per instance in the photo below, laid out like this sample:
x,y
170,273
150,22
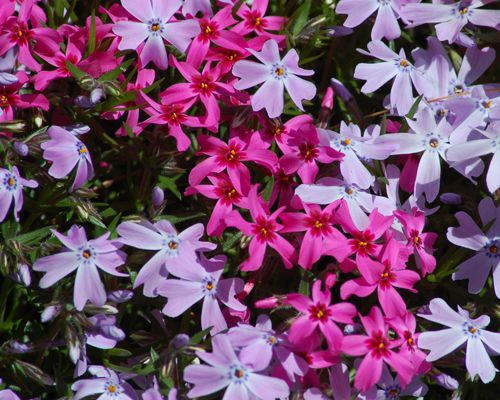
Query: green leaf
x,y
198,337
116,352
113,74
75,71
229,243
175,219
35,236
110,104
414,107
300,17
169,184
92,32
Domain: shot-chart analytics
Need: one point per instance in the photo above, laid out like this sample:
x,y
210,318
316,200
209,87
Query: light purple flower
x,y
155,23
11,191
8,394
451,18
201,281
107,383
462,329
66,152
473,149
239,375
191,7
85,256
177,250
386,23
262,339
393,66
433,140
277,74
477,268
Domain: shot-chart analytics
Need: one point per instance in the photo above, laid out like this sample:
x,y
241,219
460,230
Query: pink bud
x,y
269,302
328,99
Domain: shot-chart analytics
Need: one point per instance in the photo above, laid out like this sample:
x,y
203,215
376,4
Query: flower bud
x,y
50,312
157,197
451,198
181,340
21,148
446,381
269,302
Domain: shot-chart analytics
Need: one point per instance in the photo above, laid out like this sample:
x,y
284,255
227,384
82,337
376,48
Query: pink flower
x,y
263,231
155,23
254,19
377,348
230,156
226,195
202,281
276,74
384,276
318,226
319,314
421,243
306,150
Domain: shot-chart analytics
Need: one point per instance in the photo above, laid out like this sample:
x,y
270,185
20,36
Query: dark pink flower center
x,y
231,155
204,85
20,34
264,229
209,30
308,151
320,312
363,242
172,114
254,20
227,193
319,223
378,344
415,238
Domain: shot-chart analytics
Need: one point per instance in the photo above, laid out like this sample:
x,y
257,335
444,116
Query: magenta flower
x,y
377,348
262,339
384,276
11,191
84,256
66,152
263,231
254,20
173,249
306,149
418,242
486,245
230,156
201,281
226,195
277,74
393,66
386,23
318,313
107,383
155,23
461,329
238,375
451,18
212,31
318,227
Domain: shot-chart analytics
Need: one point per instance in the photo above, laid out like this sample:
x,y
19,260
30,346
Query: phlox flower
x,y
84,256
419,242
264,230
318,227
486,245
107,383
432,139
461,329
271,346
222,190
66,152
202,281
192,7
378,349
318,313
254,20
155,23
385,277
489,143
277,74
173,249
306,149
11,191
8,394
230,156
356,148
239,375
386,23
348,197
451,18
395,66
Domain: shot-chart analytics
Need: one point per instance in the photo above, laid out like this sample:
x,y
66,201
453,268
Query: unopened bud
x,y
269,302
328,99
50,312
451,198
180,340
157,197
21,148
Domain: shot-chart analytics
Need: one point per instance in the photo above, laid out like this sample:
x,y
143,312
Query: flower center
x,y
486,104
463,10
173,245
472,330
156,27
346,142
404,63
257,21
458,89
86,254
378,343
4,101
210,285
280,71
349,190
11,182
308,151
493,249
272,340
238,373
434,143
319,312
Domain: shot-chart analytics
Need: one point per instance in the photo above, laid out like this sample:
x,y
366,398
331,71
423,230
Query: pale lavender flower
x,y
85,256
238,375
192,7
451,18
66,152
386,22
461,329
155,23
201,281
8,394
487,245
107,383
473,149
262,339
177,250
446,381
277,74
430,138
11,191
393,66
